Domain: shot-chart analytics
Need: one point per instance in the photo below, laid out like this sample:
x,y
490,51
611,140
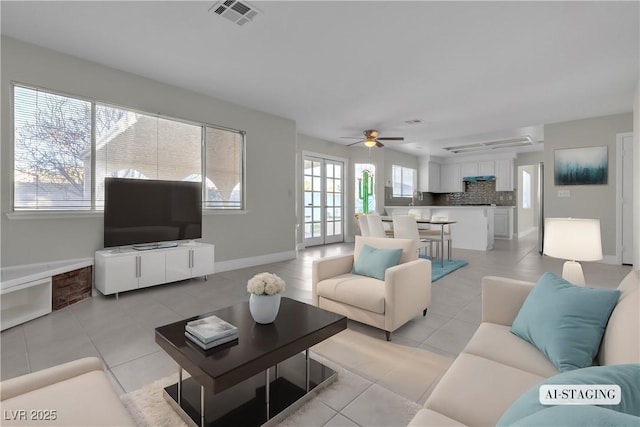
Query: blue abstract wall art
x,y
581,166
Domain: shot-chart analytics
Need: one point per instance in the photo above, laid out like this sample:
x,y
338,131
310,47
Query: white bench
x,y
25,290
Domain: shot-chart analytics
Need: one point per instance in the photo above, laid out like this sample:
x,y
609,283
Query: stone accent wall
x,y
71,287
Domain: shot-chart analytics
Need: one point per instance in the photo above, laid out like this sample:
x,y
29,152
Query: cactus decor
x,y
365,189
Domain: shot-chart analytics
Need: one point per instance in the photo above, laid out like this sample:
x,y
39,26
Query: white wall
x,y
586,201
266,229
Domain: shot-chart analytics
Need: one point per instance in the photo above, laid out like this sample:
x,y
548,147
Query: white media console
x,y
125,269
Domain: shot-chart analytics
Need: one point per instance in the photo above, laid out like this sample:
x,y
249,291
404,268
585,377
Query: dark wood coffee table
x,y
255,379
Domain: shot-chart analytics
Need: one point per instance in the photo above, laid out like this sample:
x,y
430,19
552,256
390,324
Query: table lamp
x,y
573,239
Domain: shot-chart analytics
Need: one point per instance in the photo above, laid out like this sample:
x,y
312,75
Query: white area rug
x,y
384,393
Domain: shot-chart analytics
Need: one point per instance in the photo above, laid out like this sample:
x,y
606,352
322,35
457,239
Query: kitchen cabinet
x,y
450,178
504,174
429,177
486,168
503,222
469,169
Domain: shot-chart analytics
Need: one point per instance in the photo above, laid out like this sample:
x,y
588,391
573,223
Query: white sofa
x,y
496,367
386,304
77,393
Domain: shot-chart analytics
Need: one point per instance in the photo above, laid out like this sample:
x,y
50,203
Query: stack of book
x,y
209,332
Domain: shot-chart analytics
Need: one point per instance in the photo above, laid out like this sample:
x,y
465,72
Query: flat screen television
x,y
151,213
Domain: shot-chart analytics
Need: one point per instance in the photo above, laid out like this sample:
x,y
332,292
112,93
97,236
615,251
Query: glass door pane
x,y
323,207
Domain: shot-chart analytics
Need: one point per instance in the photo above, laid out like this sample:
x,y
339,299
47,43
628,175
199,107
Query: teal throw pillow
x,y
577,416
373,262
626,376
564,321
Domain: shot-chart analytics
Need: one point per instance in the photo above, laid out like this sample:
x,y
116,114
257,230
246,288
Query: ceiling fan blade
x,y
351,137
379,144
358,142
391,138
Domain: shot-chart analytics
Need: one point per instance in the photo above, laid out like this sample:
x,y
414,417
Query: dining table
x,y
441,222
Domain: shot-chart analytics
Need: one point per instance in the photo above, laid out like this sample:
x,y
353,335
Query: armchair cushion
x,y
358,291
374,262
564,321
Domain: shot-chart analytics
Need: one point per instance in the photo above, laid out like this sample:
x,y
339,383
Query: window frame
x,y
393,182
93,211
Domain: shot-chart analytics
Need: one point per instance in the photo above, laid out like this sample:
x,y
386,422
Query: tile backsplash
x,y
476,193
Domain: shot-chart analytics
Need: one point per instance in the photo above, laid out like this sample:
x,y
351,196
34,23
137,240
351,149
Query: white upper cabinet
x,y
428,176
469,169
504,174
450,178
486,168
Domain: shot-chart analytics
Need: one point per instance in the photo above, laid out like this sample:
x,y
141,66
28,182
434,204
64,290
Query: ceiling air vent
x,y
235,11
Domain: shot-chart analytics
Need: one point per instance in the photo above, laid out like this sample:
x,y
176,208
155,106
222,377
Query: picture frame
x,y
581,166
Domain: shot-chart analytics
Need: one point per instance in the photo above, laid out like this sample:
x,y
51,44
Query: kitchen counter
x,y
473,228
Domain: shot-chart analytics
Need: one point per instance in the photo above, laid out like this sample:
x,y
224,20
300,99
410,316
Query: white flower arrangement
x,y
265,284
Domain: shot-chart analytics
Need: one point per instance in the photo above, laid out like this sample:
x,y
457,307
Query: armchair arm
x,y
325,268
502,299
407,292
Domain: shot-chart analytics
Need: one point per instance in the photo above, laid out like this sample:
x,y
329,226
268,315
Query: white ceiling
x,y
472,71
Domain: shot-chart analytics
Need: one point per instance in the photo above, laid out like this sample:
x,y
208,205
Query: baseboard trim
x,y
236,264
609,259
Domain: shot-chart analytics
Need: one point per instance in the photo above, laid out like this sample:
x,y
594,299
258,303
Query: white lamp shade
x,y
575,239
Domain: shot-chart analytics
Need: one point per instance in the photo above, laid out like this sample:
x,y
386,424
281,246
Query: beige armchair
x,y
386,304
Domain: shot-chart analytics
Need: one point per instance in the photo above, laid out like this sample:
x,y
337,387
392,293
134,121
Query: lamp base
x,y
572,272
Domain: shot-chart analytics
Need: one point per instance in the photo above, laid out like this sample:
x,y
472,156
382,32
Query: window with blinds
x,y
403,181
52,149
55,151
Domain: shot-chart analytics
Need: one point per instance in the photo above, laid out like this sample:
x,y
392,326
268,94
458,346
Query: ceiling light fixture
x,y
370,143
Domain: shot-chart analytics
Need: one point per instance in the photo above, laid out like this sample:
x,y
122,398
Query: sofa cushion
x,y
566,322
577,416
373,262
626,376
496,342
84,400
359,291
621,340
476,391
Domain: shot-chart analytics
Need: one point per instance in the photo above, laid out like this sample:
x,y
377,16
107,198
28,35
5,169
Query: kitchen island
x,y
473,228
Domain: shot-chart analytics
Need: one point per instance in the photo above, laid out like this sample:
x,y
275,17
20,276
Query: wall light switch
x,y
564,193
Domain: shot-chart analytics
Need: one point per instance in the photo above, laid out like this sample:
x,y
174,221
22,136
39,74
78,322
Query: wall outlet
x,y
564,193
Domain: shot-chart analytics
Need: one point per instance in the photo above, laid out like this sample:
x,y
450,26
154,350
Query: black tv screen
x,y
138,211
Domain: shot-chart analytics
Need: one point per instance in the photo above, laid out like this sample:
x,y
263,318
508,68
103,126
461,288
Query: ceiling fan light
x,y
370,143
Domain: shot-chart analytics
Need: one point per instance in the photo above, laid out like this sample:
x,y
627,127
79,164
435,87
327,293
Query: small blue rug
x,y
438,272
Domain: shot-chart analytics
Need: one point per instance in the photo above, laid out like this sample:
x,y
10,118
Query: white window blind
x,y
135,145
52,149
224,169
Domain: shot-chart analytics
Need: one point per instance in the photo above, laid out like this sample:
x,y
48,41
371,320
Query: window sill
x,y
19,215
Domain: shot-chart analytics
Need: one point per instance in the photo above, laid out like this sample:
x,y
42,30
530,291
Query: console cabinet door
x,y
116,274
152,269
202,260
178,264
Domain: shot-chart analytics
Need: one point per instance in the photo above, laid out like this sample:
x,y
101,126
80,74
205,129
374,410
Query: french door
x,y
323,201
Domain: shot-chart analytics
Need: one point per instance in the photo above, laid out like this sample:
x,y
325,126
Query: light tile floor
x,y
121,331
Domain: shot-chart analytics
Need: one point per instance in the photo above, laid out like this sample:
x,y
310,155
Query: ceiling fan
x,y
371,139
